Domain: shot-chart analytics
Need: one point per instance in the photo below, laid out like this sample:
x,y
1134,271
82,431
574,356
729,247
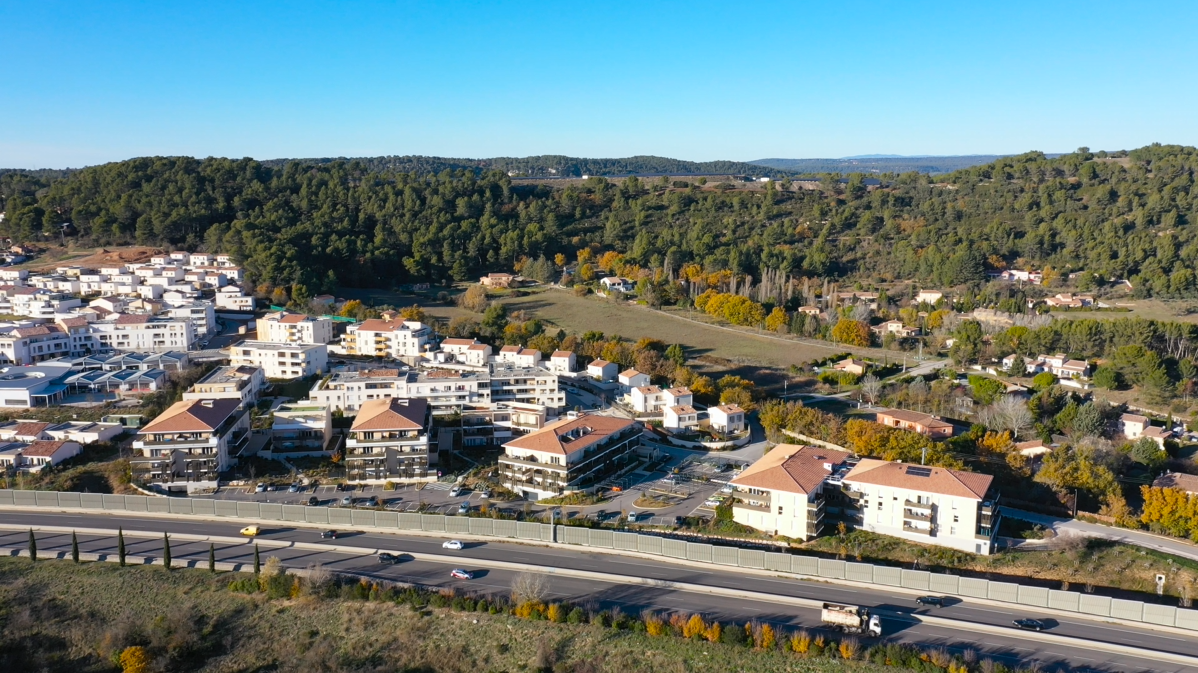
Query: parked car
x,y
328,535
260,488
347,501
632,515
464,508
251,531
600,515
1029,624
388,559
934,601
372,501
293,488
460,574
340,487
452,544
455,491
313,501
484,493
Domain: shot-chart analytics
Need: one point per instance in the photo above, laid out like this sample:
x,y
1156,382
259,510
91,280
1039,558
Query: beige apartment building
x,y
294,328
783,492
389,441
574,454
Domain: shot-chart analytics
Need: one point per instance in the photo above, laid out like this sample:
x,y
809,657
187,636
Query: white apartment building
x,y
389,441
294,328
467,351
229,382
531,385
202,315
281,361
447,392
519,356
190,444
575,454
930,505
26,345
783,492
303,428
143,333
385,338
230,298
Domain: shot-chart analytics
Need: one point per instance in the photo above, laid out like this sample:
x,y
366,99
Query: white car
x,y
455,545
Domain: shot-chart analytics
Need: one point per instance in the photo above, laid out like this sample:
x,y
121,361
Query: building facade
x,y
389,441
575,454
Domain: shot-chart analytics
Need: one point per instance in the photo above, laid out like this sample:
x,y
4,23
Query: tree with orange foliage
x,y
695,627
851,332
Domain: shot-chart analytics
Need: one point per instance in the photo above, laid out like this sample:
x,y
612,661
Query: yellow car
x,y
251,531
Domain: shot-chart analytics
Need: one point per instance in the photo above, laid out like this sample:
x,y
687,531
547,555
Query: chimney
x,y
206,403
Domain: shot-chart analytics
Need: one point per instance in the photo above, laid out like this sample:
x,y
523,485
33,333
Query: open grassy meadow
x,y
58,616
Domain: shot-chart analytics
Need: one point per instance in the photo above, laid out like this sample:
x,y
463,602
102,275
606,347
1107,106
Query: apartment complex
x,y
33,343
783,492
389,441
144,333
294,328
281,360
303,428
932,505
238,382
575,454
191,443
377,337
446,391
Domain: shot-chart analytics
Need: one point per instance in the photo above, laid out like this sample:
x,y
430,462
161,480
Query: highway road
x,y
896,606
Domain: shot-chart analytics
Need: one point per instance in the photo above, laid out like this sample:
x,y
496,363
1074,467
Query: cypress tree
x,y
257,560
211,557
166,551
120,546
32,546
74,547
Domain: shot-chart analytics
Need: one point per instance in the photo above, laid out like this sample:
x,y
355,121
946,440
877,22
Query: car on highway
x,y
388,559
313,501
934,601
293,488
461,574
251,531
452,544
464,508
328,535
260,488
347,501
1029,624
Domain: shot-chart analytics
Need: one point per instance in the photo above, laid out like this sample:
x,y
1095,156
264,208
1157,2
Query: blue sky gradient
x,y
86,83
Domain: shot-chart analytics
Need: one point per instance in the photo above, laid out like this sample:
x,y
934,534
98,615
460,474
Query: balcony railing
x,y
915,529
764,509
915,504
915,516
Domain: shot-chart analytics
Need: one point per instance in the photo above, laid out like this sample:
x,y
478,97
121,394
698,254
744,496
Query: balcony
x,y
909,515
908,528
914,504
855,496
763,509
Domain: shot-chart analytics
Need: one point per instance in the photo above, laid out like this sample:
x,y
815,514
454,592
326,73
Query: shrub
x,y
576,616
714,632
849,648
694,627
733,636
134,660
556,613
768,639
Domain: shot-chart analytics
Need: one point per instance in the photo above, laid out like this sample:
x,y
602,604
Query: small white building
x,y
602,370
679,395
647,399
631,378
562,362
680,417
727,418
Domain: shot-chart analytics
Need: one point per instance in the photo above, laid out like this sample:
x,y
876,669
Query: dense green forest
x,y
1129,216
553,165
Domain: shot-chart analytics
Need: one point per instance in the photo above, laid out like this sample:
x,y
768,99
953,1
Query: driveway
x,y
1062,526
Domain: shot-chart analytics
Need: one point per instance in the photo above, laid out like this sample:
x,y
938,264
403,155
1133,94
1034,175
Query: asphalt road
x,y
630,598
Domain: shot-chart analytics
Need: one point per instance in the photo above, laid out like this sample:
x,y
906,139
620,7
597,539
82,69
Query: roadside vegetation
x,y
59,616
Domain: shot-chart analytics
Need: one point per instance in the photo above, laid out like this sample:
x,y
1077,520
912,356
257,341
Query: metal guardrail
x,y
918,580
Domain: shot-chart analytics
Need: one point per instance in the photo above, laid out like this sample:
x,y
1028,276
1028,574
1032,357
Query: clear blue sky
x,y
85,83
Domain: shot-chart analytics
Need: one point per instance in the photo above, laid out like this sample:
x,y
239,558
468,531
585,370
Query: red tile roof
x,y
571,435
791,468
391,414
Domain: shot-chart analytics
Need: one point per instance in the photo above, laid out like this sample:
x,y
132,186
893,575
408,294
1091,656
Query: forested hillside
x,y
1113,217
553,165
931,165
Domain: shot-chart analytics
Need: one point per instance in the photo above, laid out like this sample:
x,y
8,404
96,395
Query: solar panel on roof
x,y
919,471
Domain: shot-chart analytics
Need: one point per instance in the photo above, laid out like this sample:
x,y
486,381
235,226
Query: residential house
x,y
29,344
680,395
928,296
617,284
498,281
852,366
783,493
1133,425
679,417
924,424
562,362
895,327
575,454
399,339
631,378
389,441
647,399
1178,480
1069,300
728,419
230,298
926,504
602,370
1033,448
37,455
468,351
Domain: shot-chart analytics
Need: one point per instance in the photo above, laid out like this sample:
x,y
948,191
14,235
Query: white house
x,y
294,328
631,378
602,370
562,362
467,351
647,399
676,396
727,418
679,416
617,284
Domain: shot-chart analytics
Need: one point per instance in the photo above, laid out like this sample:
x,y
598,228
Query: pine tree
x,y
32,546
257,561
74,547
166,551
211,557
120,546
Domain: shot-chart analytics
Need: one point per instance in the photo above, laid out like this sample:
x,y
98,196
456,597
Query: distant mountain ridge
x,y
882,163
553,165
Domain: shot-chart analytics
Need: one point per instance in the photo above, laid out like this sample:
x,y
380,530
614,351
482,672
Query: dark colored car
x,y
388,559
1030,624
934,601
372,501
328,535
313,501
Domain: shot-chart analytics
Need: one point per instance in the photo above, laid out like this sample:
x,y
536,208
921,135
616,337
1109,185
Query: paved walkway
x,y
1139,538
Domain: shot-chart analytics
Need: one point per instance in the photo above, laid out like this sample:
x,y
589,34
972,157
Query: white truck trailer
x,y
851,619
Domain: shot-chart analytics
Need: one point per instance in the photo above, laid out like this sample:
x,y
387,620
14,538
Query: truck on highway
x,y
851,619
